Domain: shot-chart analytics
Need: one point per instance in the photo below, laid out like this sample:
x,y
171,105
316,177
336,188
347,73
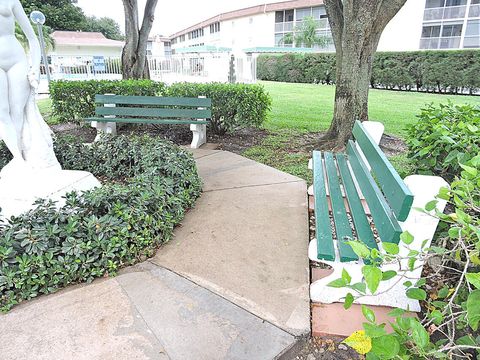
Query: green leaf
x,y
396,312
431,205
417,294
373,330
346,276
373,276
348,301
420,336
443,292
391,248
473,309
368,313
389,274
385,347
436,316
406,237
472,171
360,249
474,279
360,287
339,283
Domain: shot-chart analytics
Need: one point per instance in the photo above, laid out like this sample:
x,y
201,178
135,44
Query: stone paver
x,y
246,239
233,284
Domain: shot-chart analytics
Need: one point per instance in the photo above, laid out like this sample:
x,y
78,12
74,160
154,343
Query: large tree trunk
x,y
356,30
134,54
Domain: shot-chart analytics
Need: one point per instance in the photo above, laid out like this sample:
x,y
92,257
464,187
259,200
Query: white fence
x,y
193,67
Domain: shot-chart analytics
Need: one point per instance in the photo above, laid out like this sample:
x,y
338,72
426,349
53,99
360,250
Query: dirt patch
x,y
238,142
322,348
392,145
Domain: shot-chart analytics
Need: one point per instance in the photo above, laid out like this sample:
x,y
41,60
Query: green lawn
x,y
307,107
45,107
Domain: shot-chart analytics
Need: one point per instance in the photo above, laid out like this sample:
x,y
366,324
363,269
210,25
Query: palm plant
x,y
306,35
47,37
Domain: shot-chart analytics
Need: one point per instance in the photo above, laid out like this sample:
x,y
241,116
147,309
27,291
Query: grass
x,y
299,109
308,107
45,107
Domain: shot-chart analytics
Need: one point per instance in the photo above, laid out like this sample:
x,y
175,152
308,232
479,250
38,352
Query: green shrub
x,y
72,100
149,184
233,105
443,137
434,71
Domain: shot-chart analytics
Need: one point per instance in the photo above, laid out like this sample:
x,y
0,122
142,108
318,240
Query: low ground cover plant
x,y
149,184
233,105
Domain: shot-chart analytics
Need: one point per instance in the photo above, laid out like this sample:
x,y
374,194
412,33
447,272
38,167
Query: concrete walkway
x,y
233,284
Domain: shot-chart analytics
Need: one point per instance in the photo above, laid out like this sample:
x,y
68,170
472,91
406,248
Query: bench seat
x,y
160,110
342,185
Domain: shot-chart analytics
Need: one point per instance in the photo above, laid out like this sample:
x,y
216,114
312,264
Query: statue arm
x,y
33,44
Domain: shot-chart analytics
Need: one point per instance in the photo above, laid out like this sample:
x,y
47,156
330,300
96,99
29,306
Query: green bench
x,y
358,194
112,109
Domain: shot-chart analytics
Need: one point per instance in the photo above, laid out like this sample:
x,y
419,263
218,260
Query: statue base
x,y
18,192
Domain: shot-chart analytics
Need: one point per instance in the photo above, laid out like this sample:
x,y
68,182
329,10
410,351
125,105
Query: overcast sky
x,y
171,16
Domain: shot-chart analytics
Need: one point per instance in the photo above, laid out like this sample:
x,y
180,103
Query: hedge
x,y
453,72
233,105
148,186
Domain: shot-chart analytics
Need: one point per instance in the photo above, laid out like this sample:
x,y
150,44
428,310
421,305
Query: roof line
x,y
252,10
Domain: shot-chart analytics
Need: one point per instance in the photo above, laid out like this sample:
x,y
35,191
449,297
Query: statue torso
x,y
11,51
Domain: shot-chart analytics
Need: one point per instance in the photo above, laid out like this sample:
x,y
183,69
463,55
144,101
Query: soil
x,y
238,142
322,348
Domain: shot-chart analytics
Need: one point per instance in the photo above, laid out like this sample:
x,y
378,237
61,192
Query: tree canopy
x,y
66,15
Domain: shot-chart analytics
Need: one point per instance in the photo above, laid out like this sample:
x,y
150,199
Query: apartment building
x,y
420,24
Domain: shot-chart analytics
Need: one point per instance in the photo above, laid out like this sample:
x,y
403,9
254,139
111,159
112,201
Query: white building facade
x,y
419,25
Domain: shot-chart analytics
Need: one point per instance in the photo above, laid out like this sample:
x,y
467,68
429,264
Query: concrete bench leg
x,y
199,135
109,128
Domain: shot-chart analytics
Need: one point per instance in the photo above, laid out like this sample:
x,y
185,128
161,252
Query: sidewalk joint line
x,y
224,298
256,185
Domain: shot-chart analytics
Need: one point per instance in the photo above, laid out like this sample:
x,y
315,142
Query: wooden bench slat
x,y
147,121
343,228
152,112
383,217
153,100
397,193
325,247
362,226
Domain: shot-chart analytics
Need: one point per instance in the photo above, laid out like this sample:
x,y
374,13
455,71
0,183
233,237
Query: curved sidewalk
x,y
232,284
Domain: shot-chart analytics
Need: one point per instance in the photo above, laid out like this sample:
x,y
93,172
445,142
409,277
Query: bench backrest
x,y
158,107
387,196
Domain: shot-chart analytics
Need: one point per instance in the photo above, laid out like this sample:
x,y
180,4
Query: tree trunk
x,y
134,54
356,29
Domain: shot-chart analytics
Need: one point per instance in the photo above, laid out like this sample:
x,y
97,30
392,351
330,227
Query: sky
x,y
170,16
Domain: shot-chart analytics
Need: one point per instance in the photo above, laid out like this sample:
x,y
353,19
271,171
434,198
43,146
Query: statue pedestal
x,y
18,192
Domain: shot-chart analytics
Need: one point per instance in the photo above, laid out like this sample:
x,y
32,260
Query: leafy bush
x,y
449,326
233,105
433,71
73,100
149,186
443,138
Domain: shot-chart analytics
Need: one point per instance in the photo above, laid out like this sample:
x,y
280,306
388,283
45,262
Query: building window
x,y
431,4
452,30
303,13
472,34
215,27
455,2
431,31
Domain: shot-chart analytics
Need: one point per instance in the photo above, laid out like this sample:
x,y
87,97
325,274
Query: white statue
x,y
34,173
22,128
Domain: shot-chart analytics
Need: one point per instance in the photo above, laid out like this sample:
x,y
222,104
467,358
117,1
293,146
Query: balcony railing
x,y
449,12
471,42
440,43
474,11
284,27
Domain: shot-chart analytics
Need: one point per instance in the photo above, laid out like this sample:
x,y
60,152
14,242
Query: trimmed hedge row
x,y
453,72
234,105
148,186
